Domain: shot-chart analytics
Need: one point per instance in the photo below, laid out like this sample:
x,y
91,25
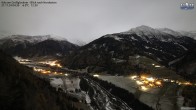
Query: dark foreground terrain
x,y
21,90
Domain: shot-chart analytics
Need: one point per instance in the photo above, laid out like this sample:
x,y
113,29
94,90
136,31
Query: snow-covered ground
x,y
68,84
149,97
128,84
33,39
71,84
56,82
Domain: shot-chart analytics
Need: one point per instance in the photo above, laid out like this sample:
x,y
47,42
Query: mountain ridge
x,y
32,39
30,46
145,41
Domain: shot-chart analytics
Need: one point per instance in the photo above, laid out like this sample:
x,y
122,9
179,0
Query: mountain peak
x,y
143,27
150,32
144,30
163,34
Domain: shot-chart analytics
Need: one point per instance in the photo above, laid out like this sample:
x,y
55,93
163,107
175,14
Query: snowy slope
x,y
29,46
31,39
5,34
161,45
189,34
148,32
159,32
171,32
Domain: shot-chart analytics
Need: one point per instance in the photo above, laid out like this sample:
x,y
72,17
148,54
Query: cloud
x,y
87,20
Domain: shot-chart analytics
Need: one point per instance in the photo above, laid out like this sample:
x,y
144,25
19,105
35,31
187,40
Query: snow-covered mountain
x,y
29,46
161,45
79,42
4,34
171,32
191,34
146,31
31,39
151,32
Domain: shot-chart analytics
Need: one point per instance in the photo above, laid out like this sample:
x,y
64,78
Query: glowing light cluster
x,y
42,70
187,83
145,82
144,88
52,63
143,77
150,82
139,82
23,61
158,83
133,77
151,79
157,66
95,75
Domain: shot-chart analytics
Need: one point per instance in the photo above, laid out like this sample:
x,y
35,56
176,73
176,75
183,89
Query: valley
x,y
159,91
143,68
68,81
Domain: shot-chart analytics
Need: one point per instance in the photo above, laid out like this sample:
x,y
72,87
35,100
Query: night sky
x,y
86,20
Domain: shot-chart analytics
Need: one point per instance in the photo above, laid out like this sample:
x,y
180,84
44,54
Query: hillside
x,y
36,46
186,65
21,90
112,52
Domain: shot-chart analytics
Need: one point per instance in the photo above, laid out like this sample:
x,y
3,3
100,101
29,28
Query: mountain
x,y
4,34
21,90
30,46
171,32
191,34
79,42
113,51
23,38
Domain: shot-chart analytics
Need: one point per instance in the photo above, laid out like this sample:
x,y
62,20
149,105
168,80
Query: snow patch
x,y
56,81
133,38
146,47
88,100
118,60
114,37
